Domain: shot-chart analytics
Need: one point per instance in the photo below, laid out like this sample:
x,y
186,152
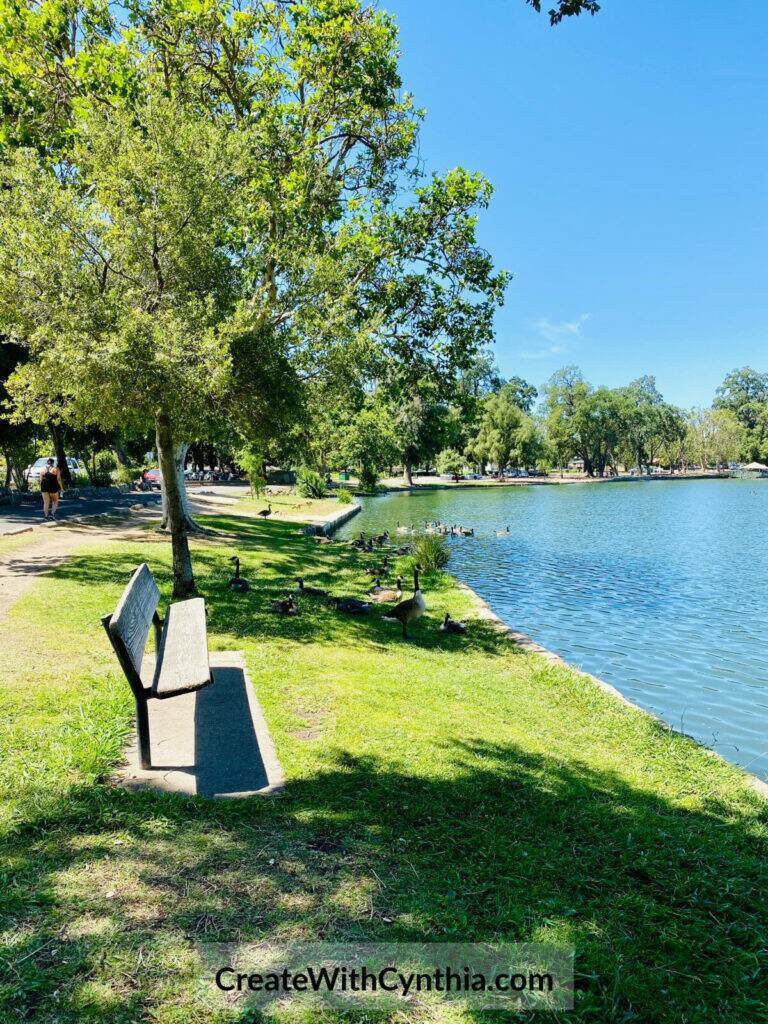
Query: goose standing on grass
x,y
411,609
380,570
285,606
237,583
309,591
450,625
265,513
383,595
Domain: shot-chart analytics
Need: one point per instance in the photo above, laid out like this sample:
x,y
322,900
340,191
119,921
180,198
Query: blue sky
x,y
629,153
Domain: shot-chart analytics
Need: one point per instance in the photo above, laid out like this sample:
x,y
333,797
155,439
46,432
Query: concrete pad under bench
x,y
211,742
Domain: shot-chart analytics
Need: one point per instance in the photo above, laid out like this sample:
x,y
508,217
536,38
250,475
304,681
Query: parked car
x,y
36,470
150,480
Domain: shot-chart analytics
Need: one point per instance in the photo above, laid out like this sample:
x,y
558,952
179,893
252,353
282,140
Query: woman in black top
x,y
50,485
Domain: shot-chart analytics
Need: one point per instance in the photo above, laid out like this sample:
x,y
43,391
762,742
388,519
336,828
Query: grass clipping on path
x,y
444,789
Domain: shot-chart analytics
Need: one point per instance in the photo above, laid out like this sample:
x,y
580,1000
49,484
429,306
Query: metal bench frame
x,y
141,691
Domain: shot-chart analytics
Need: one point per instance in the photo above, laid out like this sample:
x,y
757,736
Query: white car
x,y
36,470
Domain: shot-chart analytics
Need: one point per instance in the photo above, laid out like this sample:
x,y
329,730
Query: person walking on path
x,y
50,485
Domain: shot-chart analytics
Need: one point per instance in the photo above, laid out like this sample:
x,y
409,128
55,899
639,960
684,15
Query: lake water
x,y
660,588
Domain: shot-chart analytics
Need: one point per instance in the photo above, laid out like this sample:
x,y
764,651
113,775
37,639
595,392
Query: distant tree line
x,y
478,420
470,418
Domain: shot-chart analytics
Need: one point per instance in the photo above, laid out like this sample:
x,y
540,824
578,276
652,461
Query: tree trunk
x,y
8,469
119,450
179,463
173,500
407,475
57,436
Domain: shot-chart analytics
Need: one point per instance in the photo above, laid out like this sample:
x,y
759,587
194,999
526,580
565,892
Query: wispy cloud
x,y
557,333
554,330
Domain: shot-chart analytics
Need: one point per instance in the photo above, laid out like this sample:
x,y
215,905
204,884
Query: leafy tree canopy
x,y
567,9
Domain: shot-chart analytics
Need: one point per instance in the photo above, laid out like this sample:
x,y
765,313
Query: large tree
x,y
584,421
507,435
744,393
216,197
714,437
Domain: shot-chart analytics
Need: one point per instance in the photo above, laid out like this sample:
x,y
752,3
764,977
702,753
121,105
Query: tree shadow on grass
x,y
272,557
106,892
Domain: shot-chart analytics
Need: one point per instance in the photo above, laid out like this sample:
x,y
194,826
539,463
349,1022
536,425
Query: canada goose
x,y
450,625
403,529
503,533
322,539
361,543
265,512
310,591
382,538
466,531
380,570
383,595
285,606
237,583
405,549
411,609
350,605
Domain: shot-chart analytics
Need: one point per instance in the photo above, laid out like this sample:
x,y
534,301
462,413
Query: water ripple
x,y
661,589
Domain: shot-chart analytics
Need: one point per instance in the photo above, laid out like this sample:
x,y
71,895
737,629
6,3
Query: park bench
x,y
181,644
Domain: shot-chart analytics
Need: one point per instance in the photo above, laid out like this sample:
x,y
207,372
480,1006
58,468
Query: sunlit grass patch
x,y
446,788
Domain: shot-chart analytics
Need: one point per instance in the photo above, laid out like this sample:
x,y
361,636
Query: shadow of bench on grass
x,y
213,742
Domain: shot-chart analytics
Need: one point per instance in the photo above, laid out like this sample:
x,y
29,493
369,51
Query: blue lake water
x,y
660,588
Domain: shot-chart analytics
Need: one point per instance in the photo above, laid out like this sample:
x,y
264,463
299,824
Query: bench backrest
x,y
134,614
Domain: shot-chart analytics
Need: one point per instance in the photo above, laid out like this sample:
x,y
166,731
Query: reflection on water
x,y
661,588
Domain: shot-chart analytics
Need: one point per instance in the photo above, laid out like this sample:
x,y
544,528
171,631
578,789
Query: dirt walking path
x,y
48,546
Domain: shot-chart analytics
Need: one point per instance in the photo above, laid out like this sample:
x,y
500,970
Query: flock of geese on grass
x,y
404,611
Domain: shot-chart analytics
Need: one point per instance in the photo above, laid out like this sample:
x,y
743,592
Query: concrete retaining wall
x,y
333,521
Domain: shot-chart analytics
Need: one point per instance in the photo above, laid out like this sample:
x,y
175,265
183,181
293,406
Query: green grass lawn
x,y
289,504
446,789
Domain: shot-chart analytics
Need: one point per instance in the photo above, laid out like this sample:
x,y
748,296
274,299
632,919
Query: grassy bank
x,y
443,789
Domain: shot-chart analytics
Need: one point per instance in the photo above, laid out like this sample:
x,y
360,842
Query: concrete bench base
x,y
213,742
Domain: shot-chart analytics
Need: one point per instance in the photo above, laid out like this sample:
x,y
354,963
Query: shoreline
x,y
391,486
531,646
526,643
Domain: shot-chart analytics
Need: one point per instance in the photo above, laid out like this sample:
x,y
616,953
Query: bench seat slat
x,y
182,661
